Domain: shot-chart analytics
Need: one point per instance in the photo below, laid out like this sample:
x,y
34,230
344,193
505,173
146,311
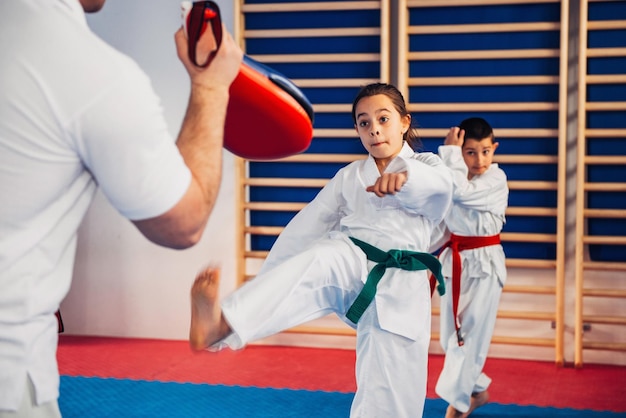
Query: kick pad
x,y
268,116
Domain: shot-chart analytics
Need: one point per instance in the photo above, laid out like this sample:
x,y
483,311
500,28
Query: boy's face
x,y
478,155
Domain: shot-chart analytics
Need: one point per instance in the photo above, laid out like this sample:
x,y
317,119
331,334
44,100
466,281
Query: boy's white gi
x,y
478,209
314,270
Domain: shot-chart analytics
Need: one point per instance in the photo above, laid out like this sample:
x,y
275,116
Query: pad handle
x,y
196,22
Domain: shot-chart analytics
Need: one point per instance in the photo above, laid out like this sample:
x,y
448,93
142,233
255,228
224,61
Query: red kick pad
x,y
264,120
268,116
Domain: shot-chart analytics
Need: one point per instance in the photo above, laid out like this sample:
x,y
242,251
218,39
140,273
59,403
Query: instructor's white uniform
x,y
478,210
76,115
314,270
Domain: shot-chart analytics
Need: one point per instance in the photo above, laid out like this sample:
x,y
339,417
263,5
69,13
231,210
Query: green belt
x,y
403,259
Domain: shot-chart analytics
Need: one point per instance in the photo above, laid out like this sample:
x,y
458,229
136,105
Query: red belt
x,y
457,244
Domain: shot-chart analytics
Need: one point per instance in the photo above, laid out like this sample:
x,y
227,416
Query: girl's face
x,y
380,127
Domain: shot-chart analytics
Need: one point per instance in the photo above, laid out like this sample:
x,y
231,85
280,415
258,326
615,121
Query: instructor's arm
x,y
200,143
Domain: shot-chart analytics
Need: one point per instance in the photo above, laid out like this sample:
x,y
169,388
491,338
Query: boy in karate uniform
x,y
473,264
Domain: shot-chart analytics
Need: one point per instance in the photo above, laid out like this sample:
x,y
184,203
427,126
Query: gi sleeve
x,y
312,223
428,189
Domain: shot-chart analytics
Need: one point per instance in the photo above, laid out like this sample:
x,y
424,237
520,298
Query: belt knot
x,y
403,259
398,259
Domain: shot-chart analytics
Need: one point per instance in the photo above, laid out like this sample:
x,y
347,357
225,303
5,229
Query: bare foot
x,y
207,324
451,412
478,399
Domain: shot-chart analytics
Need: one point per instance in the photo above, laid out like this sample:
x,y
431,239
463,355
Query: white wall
x,y
123,284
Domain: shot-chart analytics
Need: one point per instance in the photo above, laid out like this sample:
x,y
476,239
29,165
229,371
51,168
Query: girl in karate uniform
x,y
474,285
384,208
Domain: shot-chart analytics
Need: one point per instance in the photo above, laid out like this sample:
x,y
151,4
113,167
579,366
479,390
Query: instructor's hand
x,y
225,66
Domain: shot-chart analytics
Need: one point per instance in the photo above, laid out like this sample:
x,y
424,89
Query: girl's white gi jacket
x,y
404,221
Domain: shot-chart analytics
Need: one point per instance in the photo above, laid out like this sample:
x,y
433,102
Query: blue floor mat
x,y
98,397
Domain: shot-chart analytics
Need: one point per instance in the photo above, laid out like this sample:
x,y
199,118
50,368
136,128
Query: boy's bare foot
x,y
478,399
451,412
207,324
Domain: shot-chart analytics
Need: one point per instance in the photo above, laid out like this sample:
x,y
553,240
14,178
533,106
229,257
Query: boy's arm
x,y
487,192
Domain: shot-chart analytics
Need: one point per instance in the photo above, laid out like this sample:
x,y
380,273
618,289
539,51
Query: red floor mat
x,y
514,381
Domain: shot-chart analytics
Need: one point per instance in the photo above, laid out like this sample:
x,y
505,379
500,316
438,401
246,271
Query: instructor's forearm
x,y
200,143
201,139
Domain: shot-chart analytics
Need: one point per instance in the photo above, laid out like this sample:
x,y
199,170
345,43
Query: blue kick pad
x,y
98,397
